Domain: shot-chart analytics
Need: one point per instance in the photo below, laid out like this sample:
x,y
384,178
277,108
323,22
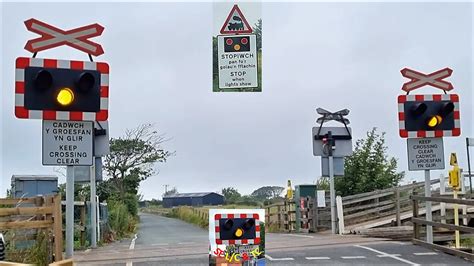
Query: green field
x,y
195,215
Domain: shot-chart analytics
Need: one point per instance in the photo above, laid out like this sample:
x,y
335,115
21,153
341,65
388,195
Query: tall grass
x,y
188,215
121,222
37,254
200,215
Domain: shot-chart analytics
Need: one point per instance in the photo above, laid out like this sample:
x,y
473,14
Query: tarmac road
x,y
165,241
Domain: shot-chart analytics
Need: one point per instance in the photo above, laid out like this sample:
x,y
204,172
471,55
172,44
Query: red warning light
x,y
244,40
229,41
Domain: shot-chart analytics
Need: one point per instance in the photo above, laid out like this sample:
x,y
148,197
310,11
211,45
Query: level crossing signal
x,y
53,89
62,89
237,229
429,115
237,44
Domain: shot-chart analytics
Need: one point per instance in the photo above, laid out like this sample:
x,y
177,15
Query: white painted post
x,y
340,214
442,190
429,228
464,212
93,206
98,218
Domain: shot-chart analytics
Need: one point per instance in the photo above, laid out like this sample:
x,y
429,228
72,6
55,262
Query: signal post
x,y
69,96
424,120
324,145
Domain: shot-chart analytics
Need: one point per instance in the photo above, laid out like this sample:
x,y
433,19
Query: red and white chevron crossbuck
x,y
434,79
220,241
22,112
456,131
52,37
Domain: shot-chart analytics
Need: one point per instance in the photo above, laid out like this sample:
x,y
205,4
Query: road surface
x,y
166,241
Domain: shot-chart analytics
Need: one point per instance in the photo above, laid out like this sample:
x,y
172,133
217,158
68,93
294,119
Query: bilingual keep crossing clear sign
x,y
67,143
237,58
425,154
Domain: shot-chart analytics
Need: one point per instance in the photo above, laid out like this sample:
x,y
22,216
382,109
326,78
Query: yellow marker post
x,y
289,191
456,220
455,184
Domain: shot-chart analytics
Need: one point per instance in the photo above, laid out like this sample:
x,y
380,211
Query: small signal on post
x,y
237,44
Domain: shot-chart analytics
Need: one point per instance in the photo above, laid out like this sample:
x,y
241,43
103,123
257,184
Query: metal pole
x,y
429,228
93,207
69,211
332,192
469,165
98,218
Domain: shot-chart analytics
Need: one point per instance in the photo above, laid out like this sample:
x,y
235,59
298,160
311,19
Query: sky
x,y
330,55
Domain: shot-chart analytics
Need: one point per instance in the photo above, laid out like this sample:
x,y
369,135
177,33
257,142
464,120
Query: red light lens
x,y
244,41
229,41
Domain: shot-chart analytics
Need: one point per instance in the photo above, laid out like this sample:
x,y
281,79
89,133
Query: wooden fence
x,y
281,216
43,213
419,222
386,206
382,207
202,213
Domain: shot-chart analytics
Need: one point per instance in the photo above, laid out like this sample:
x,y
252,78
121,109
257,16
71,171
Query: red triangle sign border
x,y
244,20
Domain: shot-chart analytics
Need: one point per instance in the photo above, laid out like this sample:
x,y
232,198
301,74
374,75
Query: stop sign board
x,y
67,143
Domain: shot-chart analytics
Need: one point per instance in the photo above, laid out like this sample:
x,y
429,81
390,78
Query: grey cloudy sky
x,y
331,55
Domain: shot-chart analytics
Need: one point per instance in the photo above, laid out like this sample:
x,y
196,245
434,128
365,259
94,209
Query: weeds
x,y
38,253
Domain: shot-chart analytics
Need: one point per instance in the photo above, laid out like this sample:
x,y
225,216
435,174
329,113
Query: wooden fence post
x,y
316,215
58,228
416,226
48,202
280,217
39,201
397,206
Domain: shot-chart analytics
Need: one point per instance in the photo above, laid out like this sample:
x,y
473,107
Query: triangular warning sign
x,y
236,22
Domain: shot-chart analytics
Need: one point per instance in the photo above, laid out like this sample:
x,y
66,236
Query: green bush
x,y
119,218
131,201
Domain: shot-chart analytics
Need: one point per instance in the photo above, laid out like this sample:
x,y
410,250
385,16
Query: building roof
x,y
189,195
35,177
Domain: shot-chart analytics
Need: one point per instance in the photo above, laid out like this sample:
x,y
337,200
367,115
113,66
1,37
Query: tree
x,y
257,29
172,191
231,194
131,160
368,168
268,192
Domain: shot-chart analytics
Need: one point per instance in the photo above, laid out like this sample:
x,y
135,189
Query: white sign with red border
x,y
236,23
52,37
22,112
220,241
456,131
435,79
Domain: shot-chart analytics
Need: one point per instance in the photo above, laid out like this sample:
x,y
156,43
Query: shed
x,y
193,199
34,185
